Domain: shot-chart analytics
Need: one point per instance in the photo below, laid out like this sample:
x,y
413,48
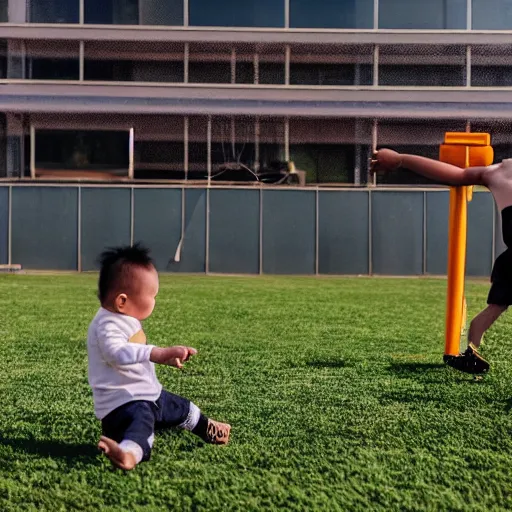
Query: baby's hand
x,y
172,356
385,160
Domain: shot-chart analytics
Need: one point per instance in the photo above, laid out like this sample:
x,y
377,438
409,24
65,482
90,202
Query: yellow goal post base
x,y
463,150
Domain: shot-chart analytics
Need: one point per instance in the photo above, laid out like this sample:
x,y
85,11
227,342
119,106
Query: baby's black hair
x,y
115,262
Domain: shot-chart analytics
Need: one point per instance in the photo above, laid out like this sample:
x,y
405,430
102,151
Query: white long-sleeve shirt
x,y
119,369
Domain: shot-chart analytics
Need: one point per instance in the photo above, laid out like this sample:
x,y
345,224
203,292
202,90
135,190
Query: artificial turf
x,y
334,387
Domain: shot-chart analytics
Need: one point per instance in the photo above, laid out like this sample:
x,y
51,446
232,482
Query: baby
x,y
128,399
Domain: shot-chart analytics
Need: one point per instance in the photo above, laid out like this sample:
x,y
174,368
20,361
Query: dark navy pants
x,y
137,421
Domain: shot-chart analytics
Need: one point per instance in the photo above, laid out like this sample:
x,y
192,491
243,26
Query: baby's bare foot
x,y
118,457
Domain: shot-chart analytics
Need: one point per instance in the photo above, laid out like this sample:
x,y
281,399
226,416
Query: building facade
x,y
184,89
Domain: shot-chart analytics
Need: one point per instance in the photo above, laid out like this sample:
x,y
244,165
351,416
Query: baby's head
x,y
128,281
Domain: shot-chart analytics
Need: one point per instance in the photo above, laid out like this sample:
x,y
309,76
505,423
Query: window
x,y
3,58
419,14
416,65
501,137
198,148
492,15
3,146
209,64
271,65
234,13
327,149
491,66
422,137
137,62
54,11
159,147
271,144
245,70
133,12
331,65
4,18
73,150
233,149
331,14
52,60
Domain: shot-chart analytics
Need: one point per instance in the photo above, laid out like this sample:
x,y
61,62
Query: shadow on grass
x,y
416,368
432,373
508,405
71,452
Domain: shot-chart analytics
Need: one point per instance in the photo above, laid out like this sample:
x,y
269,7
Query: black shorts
x,y
501,276
137,421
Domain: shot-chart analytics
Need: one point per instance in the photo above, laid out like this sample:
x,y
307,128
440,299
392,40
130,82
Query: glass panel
x,y
134,62
4,11
234,13
52,60
501,137
159,148
54,11
419,14
233,149
271,64
257,63
492,15
245,64
133,12
209,64
491,66
3,146
198,148
101,151
440,66
3,58
271,146
327,150
15,59
331,65
244,72
331,14
420,137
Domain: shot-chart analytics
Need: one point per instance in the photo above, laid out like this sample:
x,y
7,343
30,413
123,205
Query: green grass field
x,y
335,389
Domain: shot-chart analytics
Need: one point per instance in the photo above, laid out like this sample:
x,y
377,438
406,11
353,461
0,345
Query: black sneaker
x,y
217,433
469,362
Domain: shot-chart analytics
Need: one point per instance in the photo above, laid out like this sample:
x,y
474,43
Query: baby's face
x,y
140,302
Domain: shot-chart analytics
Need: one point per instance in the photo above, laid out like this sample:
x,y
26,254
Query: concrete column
x,y
15,59
3,146
15,145
17,11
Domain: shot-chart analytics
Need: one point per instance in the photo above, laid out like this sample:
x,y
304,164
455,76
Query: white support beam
x,y
81,62
131,162
287,139
373,179
376,54
253,35
209,149
32,152
256,68
233,65
287,59
468,66
257,137
186,15
185,145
